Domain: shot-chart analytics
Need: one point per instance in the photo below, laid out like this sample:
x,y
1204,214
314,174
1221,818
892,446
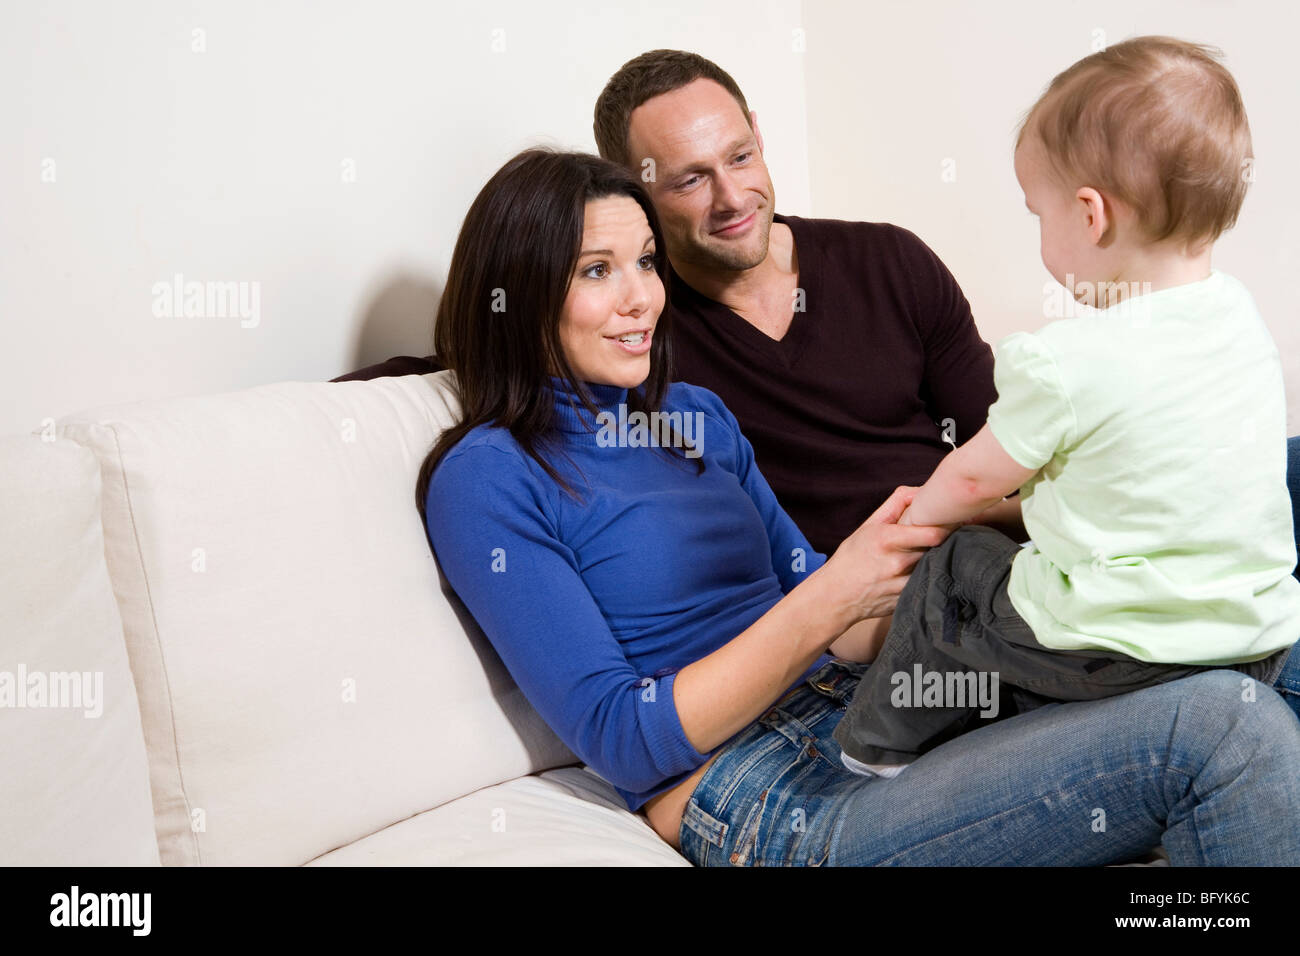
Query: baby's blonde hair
x,y
1157,123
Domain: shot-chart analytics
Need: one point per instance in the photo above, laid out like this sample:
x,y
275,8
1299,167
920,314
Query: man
x,y
846,351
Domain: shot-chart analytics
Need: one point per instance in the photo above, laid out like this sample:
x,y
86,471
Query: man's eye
x,y
687,182
742,157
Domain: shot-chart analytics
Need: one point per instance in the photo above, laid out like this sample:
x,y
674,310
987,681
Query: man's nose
x,y
727,194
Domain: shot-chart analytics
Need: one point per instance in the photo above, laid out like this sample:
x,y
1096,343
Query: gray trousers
x,y
958,655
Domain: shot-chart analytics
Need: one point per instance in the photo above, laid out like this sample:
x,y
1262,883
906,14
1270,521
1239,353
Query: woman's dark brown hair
x,y
497,326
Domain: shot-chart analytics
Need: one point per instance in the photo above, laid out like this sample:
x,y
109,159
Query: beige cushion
x,y
565,817
74,784
303,680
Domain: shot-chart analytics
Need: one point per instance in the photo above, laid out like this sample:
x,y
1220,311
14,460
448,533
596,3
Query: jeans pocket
x,y
747,835
819,858
775,834
799,832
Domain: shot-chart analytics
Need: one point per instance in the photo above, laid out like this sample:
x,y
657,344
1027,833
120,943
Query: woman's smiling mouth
x,y
633,341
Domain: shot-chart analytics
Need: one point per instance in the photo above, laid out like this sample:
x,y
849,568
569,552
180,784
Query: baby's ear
x,y
1096,210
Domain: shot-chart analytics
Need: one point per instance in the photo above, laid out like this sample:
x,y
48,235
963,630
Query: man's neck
x,y
763,290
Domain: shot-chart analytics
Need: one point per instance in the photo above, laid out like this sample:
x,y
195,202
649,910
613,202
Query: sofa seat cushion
x,y
564,817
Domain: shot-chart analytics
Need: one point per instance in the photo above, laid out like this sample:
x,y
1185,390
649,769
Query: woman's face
x,y
615,293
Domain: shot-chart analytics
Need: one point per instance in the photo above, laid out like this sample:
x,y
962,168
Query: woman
x,y
613,538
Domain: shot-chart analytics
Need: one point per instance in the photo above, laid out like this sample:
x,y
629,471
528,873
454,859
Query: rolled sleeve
x,y
663,729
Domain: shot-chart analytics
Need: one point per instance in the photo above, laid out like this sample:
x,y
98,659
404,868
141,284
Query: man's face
x,y
711,187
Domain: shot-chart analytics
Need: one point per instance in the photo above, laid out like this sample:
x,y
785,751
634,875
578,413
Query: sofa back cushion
x,y
305,678
74,783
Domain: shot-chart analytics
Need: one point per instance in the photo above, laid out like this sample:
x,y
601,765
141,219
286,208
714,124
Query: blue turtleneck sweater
x,y
594,607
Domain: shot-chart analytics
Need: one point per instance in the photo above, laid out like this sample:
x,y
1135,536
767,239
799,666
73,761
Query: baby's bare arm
x,y
968,481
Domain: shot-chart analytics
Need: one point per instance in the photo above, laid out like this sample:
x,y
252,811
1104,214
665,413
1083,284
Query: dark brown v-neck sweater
x,y
852,401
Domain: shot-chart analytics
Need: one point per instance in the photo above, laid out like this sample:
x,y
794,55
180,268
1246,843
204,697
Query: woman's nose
x,y
639,293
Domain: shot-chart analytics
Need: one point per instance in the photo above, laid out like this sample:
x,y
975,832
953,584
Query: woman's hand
x,y
871,566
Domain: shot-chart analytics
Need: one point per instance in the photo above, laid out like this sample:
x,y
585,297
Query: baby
x,y
1147,436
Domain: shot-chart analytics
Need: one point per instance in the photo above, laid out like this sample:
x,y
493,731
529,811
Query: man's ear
x,y
753,121
1096,213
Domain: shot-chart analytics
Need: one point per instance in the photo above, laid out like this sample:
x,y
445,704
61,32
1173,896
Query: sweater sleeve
x,y
958,382
793,558
490,523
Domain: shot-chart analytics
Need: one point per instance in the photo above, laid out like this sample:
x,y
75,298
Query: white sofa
x,y
285,677
253,657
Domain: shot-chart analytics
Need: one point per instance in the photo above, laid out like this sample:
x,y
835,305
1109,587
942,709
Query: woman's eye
x,y
595,265
647,261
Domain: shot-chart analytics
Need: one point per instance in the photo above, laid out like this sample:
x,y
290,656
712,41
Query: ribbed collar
x,y
576,420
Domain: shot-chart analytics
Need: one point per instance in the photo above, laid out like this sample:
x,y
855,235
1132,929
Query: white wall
x,y
896,88
228,164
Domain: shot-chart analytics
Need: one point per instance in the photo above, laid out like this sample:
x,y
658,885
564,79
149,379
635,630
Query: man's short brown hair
x,y
645,77
1159,124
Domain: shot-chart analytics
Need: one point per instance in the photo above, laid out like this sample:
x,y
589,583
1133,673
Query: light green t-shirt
x,y
1160,520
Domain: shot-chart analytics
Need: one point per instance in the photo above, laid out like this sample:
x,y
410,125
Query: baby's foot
x,y
872,769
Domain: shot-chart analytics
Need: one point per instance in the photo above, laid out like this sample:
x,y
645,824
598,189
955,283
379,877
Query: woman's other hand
x,y
871,566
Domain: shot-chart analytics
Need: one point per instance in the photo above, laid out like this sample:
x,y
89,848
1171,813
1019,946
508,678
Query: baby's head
x,y
1135,154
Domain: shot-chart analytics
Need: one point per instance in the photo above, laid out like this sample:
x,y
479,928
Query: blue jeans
x,y
1189,764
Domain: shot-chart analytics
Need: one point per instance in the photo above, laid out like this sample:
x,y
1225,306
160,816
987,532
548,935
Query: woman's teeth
x,y
634,339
